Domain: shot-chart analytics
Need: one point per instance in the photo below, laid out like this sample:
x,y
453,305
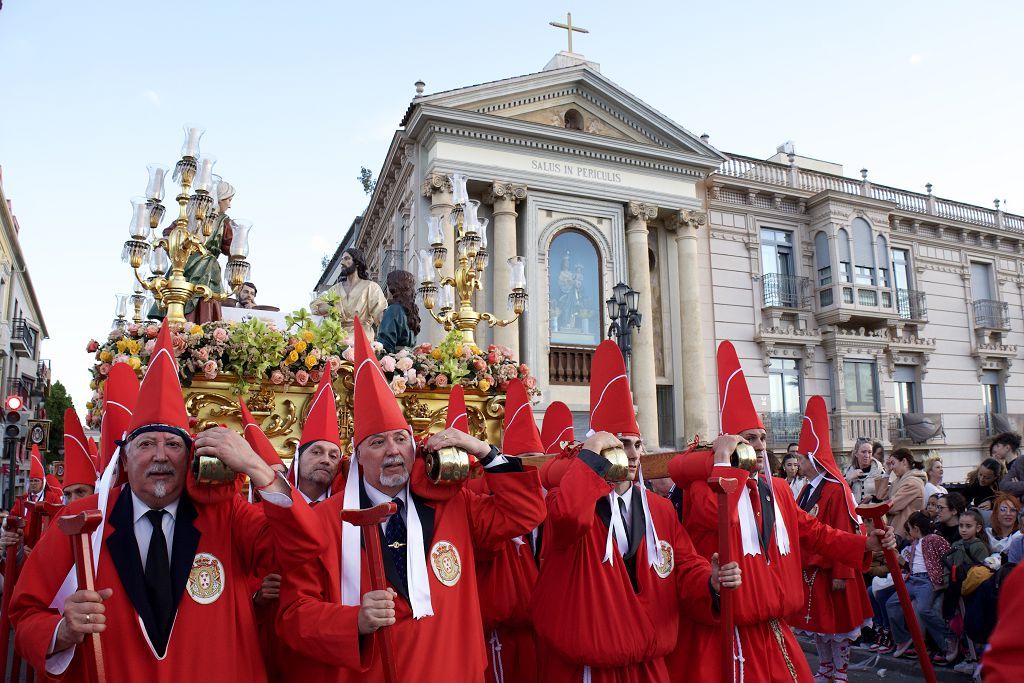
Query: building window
x,y
779,283
784,385
905,380
883,262
666,415
822,259
574,290
993,398
573,120
981,281
863,252
843,250
861,387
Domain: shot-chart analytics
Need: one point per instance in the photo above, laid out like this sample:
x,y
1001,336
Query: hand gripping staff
x,y
723,487
79,529
875,513
369,519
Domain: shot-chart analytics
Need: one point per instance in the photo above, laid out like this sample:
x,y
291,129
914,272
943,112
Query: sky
x,y
297,95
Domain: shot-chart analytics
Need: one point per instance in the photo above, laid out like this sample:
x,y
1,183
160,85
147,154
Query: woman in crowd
x,y
863,470
947,516
907,494
1005,509
983,483
401,321
1005,448
933,470
791,473
922,562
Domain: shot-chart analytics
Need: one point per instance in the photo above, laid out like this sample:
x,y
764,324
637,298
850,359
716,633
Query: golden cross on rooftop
x,y
569,28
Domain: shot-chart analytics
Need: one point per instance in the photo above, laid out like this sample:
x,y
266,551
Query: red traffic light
x,y
14,402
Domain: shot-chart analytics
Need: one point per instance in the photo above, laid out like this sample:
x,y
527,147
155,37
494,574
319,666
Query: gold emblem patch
x,y
447,565
206,580
813,511
668,560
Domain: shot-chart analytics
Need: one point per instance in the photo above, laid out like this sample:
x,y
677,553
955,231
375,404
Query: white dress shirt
x,y
144,528
627,500
377,497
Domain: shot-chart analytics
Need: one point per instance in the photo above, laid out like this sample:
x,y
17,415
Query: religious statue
x,y
401,321
570,286
246,298
354,294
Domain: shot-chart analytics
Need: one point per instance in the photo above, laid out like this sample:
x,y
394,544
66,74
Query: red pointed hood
x,y
36,470
94,452
322,419
375,408
519,431
611,402
816,445
161,406
256,438
120,395
457,417
79,467
735,405
557,428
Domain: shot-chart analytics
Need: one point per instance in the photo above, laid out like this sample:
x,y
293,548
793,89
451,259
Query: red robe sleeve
x,y
269,535
1003,662
693,576
515,508
843,547
571,505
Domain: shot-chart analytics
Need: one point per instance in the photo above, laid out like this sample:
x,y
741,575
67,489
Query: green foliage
x,y
56,403
365,178
253,348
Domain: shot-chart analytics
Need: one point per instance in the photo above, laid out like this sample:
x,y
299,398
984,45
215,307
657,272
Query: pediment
x,y
605,110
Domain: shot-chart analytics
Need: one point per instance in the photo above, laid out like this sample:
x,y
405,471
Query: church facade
x,y
902,309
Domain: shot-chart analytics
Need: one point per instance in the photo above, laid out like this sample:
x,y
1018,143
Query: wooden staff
x,y
369,519
723,487
79,529
876,512
13,523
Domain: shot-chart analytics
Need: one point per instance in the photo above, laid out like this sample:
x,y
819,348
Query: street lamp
x,y
622,311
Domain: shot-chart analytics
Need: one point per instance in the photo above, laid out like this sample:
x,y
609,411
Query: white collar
x,y
817,480
139,509
322,498
626,497
377,497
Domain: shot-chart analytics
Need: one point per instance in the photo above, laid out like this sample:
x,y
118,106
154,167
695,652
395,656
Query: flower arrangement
x,y
299,355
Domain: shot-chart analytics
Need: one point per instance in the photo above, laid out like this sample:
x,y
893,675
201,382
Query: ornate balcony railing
x,y
783,428
783,291
19,387
911,304
570,365
23,337
916,428
991,314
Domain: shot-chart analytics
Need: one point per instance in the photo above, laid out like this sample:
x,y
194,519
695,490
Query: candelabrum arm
x,y
494,321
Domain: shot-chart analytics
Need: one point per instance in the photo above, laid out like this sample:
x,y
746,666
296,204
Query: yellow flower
x,y
89,405
300,346
483,385
105,356
437,354
308,336
122,344
292,357
92,385
135,363
311,360
196,329
475,349
133,346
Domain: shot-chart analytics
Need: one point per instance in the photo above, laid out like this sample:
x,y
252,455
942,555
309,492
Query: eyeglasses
x,y
941,507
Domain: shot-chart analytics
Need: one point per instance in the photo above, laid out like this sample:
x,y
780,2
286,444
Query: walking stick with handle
x,y
369,519
723,487
79,529
10,577
875,512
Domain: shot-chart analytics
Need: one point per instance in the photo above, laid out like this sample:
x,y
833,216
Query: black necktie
x,y
804,495
395,539
622,513
158,583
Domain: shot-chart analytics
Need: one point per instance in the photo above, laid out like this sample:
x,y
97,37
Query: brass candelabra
x,y
197,216
453,294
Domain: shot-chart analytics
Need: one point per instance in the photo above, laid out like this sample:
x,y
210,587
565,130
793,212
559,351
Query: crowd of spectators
x,y
958,544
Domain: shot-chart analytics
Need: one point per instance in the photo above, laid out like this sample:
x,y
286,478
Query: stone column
x,y
695,412
504,197
642,360
438,188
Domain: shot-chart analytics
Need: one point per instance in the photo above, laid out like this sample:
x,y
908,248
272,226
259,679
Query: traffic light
x,y
15,417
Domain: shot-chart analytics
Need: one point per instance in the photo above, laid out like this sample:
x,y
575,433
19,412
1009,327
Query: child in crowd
x,y
969,552
922,561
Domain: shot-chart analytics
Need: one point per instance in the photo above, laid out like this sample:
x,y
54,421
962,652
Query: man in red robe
x,y
39,492
1003,661
172,600
618,567
837,601
431,606
768,530
80,473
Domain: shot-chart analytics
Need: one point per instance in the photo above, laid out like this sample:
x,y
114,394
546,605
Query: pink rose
x,y
387,364
314,376
421,381
349,354
203,353
133,330
404,364
277,377
530,382
349,341
150,345
115,335
334,362
220,335
410,376
302,378
119,358
178,343
505,350
210,369
398,385
92,346
441,380
479,365
152,331
508,371
105,369
524,369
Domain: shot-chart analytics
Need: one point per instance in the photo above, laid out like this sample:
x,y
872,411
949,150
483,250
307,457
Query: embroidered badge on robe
x,y
813,511
446,563
206,580
668,560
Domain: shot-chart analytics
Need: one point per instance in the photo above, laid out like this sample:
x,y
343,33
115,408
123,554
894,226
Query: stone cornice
x,y
641,210
500,190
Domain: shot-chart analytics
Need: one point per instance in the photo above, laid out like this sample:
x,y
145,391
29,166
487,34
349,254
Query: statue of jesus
x,y
355,295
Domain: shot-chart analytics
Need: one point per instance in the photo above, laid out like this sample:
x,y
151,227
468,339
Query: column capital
x,y
500,190
687,218
640,210
435,182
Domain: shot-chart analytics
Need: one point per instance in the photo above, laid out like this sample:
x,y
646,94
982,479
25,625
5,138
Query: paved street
x,y
886,668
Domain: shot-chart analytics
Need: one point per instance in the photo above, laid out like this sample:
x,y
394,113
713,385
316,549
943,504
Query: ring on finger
x,y
88,618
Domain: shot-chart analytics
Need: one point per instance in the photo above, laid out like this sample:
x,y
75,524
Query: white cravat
x,y
622,529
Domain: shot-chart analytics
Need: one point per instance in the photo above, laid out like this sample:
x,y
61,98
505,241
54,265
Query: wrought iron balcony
x,y
997,423
19,387
783,428
911,304
23,338
916,428
783,291
991,315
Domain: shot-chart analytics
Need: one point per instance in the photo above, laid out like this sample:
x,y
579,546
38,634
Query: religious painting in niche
x,y
574,290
